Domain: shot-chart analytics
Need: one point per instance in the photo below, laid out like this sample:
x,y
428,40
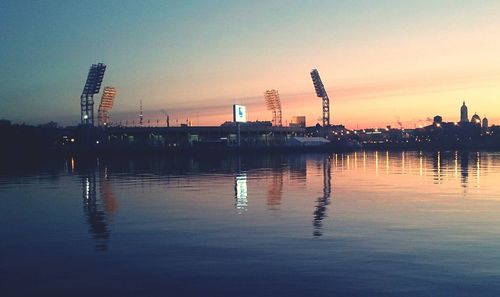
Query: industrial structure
x,y
273,103
321,92
107,101
91,88
167,120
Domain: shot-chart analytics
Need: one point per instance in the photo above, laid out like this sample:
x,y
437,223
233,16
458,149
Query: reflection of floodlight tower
x,y
321,92
324,201
92,87
273,103
107,100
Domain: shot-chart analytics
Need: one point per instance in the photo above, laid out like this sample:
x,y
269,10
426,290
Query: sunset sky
x,y
381,61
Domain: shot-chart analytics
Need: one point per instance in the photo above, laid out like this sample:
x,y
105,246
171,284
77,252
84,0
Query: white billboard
x,y
239,113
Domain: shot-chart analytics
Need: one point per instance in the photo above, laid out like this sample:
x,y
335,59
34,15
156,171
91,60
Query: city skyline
x,y
380,63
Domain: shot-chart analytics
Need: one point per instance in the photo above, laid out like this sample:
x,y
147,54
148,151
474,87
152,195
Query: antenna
x,y
140,115
167,115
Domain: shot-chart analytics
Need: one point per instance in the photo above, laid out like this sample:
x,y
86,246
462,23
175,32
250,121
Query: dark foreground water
x,y
363,224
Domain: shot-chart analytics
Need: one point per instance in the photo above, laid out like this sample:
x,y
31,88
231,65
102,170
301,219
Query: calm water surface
x,y
361,224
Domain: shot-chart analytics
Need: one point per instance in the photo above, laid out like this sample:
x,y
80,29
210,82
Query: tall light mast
x,y
92,87
107,101
273,103
321,92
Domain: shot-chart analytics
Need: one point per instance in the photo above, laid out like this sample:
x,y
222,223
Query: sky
x,y
382,62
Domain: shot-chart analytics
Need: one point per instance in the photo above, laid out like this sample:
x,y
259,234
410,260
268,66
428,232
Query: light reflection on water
x,y
364,224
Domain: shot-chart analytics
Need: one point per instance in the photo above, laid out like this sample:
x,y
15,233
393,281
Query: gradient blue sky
x,y
381,61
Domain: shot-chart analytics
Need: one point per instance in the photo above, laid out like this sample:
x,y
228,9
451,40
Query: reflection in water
x,y
464,168
408,229
478,168
106,191
240,192
97,210
421,160
275,189
323,201
298,170
387,162
437,167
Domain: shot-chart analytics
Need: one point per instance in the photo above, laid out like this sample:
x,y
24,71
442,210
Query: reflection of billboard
x,y
239,114
240,188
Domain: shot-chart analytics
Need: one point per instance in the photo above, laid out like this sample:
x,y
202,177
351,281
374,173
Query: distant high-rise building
x,y
485,125
298,121
464,114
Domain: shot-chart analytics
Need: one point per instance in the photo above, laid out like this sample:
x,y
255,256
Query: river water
x,y
359,224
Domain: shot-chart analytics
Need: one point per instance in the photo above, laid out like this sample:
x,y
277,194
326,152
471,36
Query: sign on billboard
x,y
239,114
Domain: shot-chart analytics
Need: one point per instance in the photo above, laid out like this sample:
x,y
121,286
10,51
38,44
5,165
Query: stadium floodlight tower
x,y
107,100
321,92
91,88
273,103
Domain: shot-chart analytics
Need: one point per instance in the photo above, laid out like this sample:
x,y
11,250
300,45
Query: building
x,y
438,119
485,126
476,119
298,121
464,114
306,141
